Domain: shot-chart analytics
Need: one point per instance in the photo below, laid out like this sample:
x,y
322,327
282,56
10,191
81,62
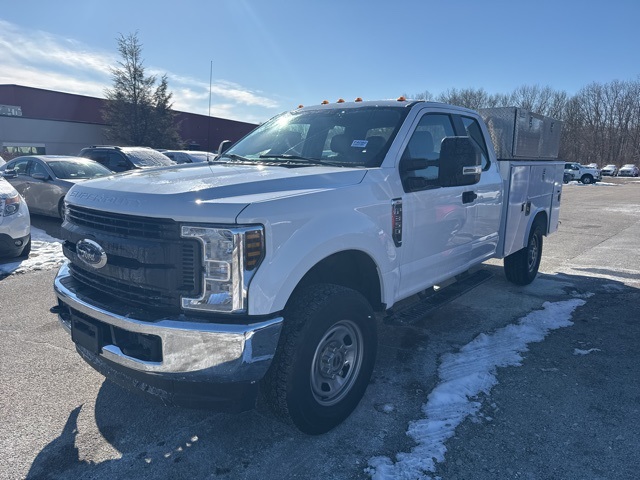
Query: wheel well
x,y
543,220
352,269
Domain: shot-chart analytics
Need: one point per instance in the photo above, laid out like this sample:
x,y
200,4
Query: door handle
x,y
468,197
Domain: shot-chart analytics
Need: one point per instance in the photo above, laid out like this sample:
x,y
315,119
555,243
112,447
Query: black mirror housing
x,y
460,160
224,146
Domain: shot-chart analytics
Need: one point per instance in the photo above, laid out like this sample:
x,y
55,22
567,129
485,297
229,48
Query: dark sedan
x,y
44,180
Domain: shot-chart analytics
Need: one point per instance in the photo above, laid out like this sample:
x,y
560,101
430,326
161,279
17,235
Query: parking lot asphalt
x,y
571,410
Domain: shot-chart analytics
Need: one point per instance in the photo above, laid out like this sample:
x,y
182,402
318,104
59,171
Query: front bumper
x,y
185,351
12,247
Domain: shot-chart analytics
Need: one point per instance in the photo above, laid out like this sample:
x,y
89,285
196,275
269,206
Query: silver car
x,y
44,180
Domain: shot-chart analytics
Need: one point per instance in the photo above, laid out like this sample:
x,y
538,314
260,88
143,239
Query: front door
x,y
446,229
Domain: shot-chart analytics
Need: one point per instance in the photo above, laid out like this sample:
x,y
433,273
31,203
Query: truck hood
x,y
212,193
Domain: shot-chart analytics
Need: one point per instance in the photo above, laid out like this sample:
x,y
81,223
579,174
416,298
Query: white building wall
x,y
59,137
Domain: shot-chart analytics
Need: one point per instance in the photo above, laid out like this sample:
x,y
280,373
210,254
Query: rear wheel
x,y
324,359
522,266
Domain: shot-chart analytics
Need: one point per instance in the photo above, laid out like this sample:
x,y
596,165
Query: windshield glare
x,y
351,137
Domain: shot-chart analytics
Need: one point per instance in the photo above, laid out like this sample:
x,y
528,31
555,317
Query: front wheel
x,y
61,209
586,179
324,359
522,266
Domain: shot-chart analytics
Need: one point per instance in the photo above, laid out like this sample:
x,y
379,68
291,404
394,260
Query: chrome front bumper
x,y
191,350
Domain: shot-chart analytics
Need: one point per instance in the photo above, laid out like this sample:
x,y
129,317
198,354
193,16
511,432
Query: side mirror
x,y
9,174
40,176
460,162
224,146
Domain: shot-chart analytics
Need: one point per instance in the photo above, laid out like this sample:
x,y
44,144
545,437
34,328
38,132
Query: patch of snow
x,y
46,254
577,351
463,377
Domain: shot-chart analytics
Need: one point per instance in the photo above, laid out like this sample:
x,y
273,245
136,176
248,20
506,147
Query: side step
x,y
433,299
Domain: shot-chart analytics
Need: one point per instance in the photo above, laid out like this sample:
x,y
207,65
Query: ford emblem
x,y
91,253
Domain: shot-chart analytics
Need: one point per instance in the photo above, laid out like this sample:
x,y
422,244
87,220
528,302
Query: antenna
x,y
209,119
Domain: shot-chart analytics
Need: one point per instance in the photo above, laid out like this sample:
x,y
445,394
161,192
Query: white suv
x,y
15,223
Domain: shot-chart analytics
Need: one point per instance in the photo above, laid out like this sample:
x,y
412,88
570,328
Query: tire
x,y
61,209
586,179
324,359
522,266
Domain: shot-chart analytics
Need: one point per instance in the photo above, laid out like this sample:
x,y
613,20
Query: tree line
x,y
601,122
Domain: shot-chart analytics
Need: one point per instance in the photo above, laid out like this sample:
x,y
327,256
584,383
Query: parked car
x,y
44,180
189,156
582,173
629,170
592,165
15,222
609,170
120,159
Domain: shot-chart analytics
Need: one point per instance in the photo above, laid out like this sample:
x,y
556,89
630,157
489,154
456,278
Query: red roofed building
x,y
34,120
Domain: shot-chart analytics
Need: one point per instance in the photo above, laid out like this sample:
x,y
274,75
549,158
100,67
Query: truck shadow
x,y
154,441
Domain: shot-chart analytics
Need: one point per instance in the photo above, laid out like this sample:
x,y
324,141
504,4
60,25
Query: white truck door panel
x,y
448,228
533,187
554,220
439,237
517,214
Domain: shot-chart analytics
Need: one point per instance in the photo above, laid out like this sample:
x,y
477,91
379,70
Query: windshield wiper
x,y
292,158
232,156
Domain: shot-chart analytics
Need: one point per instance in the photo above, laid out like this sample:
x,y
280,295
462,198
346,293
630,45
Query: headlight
x,y
11,205
230,258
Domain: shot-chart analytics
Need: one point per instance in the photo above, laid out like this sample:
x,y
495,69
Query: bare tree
x,y
601,123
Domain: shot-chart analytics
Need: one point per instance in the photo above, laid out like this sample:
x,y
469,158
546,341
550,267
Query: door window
x,y
475,132
37,167
19,166
424,144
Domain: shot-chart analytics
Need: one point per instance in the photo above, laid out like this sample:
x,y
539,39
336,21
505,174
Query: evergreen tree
x,y
135,112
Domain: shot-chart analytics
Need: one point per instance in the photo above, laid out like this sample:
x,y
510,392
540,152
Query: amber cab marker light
x,y
325,102
402,99
340,100
300,106
359,99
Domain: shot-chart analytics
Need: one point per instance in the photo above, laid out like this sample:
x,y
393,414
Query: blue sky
x,y
270,56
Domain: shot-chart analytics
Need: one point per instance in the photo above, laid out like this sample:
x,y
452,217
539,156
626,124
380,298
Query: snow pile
x,y
464,376
46,254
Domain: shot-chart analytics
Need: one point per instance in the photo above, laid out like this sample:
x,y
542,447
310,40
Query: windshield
x,y
148,158
78,169
350,137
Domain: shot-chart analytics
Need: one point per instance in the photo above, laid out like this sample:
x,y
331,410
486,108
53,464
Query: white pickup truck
x,y
582,173
265,271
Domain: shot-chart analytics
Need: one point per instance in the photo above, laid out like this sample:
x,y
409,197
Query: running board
x,y
433,298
